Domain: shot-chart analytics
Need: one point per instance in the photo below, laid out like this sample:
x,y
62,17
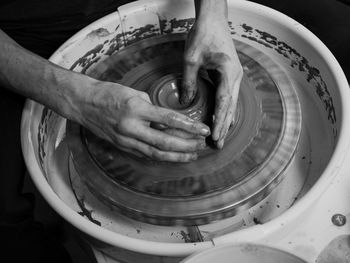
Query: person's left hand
x,y
209,45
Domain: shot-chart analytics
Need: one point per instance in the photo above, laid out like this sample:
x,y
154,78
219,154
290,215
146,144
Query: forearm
x,y
217,8
36,78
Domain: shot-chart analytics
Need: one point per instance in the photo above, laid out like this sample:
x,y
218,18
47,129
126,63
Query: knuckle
x,y
194,126
190,60
224,58
219,58
156,154
136,103
170,118
124,126
118,141
144,95
162,144
191,56
132,103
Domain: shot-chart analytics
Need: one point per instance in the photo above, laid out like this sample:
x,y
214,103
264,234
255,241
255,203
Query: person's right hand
x,y
123,116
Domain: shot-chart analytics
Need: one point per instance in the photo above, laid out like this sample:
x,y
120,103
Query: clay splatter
x,y
100,32
43,134
140,33
185,237
175,26
195,234
86,212
257,221
88,59
108,47
313,75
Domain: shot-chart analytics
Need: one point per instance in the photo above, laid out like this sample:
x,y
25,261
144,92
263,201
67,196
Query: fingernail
x,y
194,157
220,144
205,131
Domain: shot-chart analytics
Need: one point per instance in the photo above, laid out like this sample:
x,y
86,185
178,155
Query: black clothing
x,y
42,26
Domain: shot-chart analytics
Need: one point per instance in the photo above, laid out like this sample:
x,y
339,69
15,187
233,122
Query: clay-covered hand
x,y
209,46
123,116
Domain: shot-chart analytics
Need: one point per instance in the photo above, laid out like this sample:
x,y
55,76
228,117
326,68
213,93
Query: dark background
x,y
329,20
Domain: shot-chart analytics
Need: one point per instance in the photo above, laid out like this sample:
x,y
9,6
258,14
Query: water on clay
x,y
314,150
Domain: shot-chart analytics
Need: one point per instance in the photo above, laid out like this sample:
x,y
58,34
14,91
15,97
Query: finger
x,y
235,93
182,134
226,98
231,113
158,126
132,145
189,83
164,141
221,107
132,151
226,126
175,132
173,119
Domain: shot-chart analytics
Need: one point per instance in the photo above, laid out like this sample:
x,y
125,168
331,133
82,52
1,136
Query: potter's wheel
x,y
258,148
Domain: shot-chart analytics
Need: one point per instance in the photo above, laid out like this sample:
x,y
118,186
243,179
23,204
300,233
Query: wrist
x,y
74,96
213,9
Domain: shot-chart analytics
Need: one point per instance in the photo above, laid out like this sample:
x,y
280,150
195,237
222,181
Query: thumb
x,y
189,83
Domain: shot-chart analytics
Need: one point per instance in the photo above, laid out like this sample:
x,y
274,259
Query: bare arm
x,y
36,78
112,111
210,46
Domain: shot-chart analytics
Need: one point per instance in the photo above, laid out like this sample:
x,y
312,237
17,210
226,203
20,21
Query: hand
x,y
209,45
123,116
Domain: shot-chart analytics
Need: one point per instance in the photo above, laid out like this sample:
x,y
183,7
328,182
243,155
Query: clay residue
x,y
100,32
86,212
43,134
136,34
88,59
175,25
298,61
108,47
257,221
193,235
185,236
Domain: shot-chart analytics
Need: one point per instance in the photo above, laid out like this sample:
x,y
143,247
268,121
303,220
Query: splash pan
x,y
258,148
244,253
